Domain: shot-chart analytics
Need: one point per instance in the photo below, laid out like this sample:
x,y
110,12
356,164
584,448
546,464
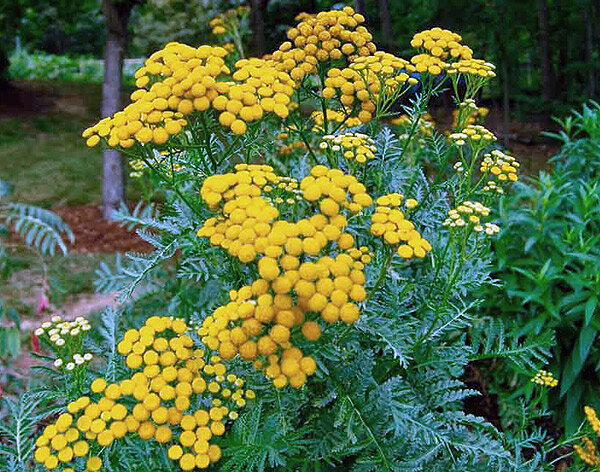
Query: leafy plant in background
x,y
37,65
548,263
311,312
39,229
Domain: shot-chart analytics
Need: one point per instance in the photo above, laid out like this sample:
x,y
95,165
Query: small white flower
x,y
79,360
60,342
74,332
64,331
86,327
54,337
335,148
323,145
80,319
55,319
58,362
70,366
88,356
46,324
53,331
39,331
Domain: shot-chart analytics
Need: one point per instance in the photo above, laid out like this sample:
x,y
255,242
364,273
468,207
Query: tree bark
x,y
116,16
359,6
545,58
4,63
589,50
257,25
387,35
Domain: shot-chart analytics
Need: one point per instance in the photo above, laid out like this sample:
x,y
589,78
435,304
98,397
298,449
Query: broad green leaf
x,y
590,308
577,358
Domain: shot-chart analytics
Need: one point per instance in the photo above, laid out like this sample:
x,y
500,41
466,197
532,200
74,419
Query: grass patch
x,y
42,153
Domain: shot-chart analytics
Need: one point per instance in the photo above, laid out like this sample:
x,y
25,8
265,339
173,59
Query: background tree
x,y
116,17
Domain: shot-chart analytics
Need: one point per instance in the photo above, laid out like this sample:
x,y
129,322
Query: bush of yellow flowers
x,y
318,255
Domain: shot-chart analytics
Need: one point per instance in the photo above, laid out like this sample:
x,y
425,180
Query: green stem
x,y
172,186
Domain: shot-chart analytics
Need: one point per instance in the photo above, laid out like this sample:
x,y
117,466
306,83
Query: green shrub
x,y
26,65
548,263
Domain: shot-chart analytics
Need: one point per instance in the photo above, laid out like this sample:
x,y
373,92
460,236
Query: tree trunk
x,y
4,63
116,16
545,58
387,35
589,51
257,25
359,6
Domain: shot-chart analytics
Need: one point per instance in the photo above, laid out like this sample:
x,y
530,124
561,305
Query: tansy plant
x,y
336,279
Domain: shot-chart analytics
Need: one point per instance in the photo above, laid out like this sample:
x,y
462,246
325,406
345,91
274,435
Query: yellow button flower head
x,y
259,87
501,168
474,67
373,81
428,63
229,21
353,146
389,222
342,117
173,83
469,215
328,35
425,127
441,43
543,377
587,451
475,135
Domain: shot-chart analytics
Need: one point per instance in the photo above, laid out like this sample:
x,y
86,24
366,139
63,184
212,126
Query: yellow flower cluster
x,y
295,279
474,67
474,134
543,377
328,35
157,161
223,22
469,114
287,149
389,222
173,83
502,166
441,43
304,16
588,452
354,146
158,402
425,127
343,118
427,63
468,215
368,80
260,88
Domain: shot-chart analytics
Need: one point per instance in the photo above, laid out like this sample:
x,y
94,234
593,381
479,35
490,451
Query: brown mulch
x,y
95,235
